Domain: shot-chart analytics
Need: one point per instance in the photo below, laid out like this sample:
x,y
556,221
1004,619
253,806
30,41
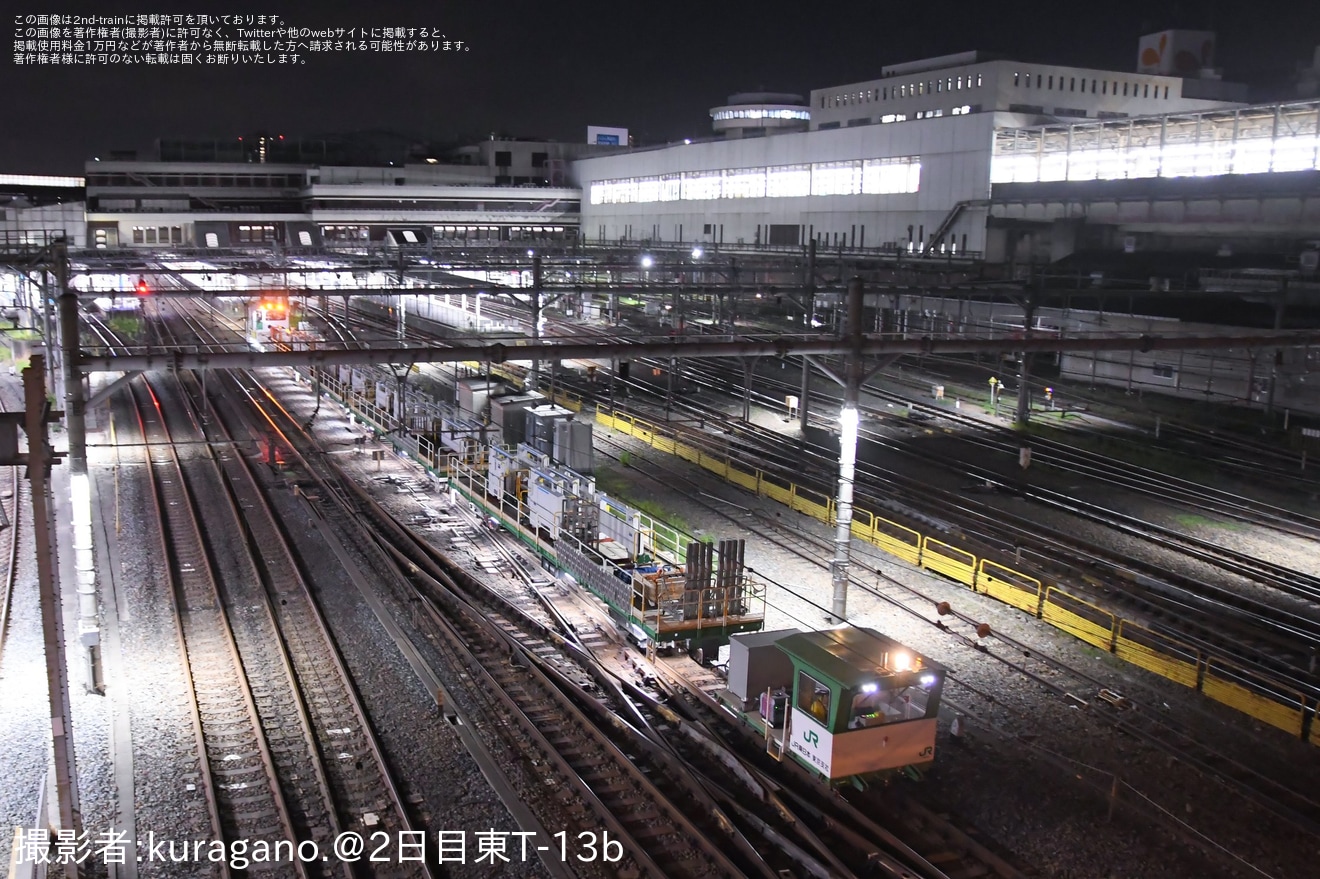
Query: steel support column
x,y
1023,414
848,420
749,366
1280,308
669,388
40,459
533,375
75,404
804,395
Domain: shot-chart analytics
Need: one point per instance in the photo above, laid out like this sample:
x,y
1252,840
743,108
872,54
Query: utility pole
x,y
1280,307
1024,371
533,376
89,627
74,400
809,291
848,421
39,459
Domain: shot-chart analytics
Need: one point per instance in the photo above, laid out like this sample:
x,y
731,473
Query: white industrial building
x,y
902,162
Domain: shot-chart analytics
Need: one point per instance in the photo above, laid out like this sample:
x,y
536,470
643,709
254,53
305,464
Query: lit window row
x,y
722,115
904,90
1143,89
256,233
41,180
1254,156
156,234
856,177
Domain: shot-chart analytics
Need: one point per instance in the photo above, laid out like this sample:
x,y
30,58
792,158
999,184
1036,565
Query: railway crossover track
x,y
505,697
1064,681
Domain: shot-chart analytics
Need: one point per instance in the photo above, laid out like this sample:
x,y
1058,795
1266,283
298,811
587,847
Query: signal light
x,y
142,288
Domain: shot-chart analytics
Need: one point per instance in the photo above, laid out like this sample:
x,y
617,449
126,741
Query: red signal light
x,y
142,288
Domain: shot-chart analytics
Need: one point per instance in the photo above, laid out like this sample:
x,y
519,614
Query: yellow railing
x,y
1247,692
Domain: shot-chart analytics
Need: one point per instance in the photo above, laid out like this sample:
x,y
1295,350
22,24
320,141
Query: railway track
x,y
1262,632
353,768
1102,469
524,624
506,695
288,753
1296,806
849,838
15,499
237,774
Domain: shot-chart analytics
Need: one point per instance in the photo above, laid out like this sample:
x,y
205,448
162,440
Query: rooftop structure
x,y
754,114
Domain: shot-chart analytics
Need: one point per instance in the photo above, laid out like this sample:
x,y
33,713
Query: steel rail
x,y
11,555
304,637
230,815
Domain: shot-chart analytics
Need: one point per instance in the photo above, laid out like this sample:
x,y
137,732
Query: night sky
x,y
538,68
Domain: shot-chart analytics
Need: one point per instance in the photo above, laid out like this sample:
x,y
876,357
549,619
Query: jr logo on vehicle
x,y
811,737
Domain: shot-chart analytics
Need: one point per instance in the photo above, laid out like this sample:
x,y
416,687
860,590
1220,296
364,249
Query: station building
x,y
469,195
960,157
904,162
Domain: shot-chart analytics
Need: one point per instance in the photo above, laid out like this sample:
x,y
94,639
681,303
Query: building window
x,y
978,80
503,158
138,235
1072,84
1125,90
540,160
1017,79
1163,370
212,239
885,93
1145,90
1166,93
1037,80
813,698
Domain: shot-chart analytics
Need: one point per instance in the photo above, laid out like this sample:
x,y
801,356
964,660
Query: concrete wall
x,y
1003,85
37,224
955,161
